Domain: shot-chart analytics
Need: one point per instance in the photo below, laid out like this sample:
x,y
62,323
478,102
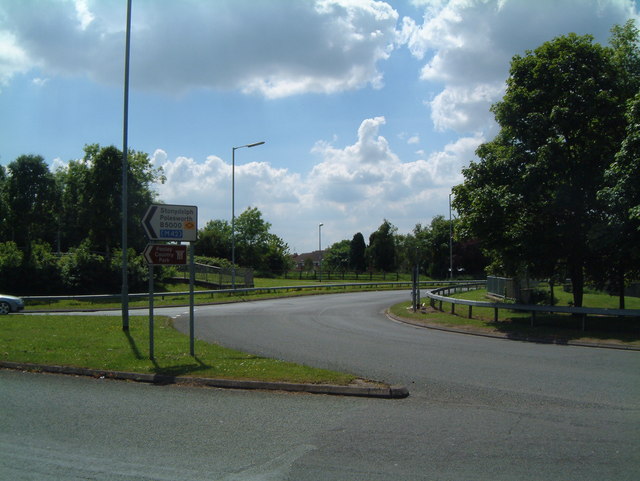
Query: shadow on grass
x,y
167,374
133,345
562,329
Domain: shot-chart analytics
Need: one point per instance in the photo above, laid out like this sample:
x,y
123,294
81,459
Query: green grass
x,y
518,324
98,342
170,297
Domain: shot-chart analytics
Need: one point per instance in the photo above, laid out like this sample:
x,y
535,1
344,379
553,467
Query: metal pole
x,y
233,209
233,217
320,249
192,278
450,242
125,169
151,346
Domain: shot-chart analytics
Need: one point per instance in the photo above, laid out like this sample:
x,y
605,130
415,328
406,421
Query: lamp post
x,y
320,249
450,242
125,170
233,209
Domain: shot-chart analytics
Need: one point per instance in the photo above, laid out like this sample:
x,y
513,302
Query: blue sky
x,y
368,109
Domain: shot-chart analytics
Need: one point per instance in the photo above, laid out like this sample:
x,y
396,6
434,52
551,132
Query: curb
x,y
495,335
391,392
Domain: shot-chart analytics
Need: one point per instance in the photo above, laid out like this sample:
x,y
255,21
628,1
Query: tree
x,y
357,250
532,198
437,247
382,248
619,234
92,198
214,240
336,257
31,202
252,236
73,213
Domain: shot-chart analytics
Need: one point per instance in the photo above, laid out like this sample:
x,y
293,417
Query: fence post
x,y
470,311
495,314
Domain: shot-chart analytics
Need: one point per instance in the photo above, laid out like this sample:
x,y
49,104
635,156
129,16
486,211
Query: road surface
x,y
480,409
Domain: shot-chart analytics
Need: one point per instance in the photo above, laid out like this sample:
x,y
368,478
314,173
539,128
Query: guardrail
x,y
434,296
249,290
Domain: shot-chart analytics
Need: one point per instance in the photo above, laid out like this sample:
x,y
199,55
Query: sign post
x,y
151,347
174,223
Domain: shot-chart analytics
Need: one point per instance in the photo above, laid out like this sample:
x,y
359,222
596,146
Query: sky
x,y
369,110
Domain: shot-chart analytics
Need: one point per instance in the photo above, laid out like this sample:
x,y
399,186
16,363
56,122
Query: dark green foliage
x,y
382,249
32,199
256,247
532,199
336,257
357,253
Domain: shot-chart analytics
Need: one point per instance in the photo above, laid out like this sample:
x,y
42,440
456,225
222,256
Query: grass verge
x,y
172,298
98,342
517,325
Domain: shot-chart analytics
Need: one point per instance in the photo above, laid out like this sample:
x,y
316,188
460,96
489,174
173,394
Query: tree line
x,y
556,194
432,248
61,231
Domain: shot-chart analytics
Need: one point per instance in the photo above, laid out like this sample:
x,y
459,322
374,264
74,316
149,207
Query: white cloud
x,y
465,109
85,17
13,59
274,49
40,82
467,46
354,186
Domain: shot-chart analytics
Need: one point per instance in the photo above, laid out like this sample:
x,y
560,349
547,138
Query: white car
x,y
10,304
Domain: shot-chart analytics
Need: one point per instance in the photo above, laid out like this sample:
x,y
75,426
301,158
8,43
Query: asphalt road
x,y
480,409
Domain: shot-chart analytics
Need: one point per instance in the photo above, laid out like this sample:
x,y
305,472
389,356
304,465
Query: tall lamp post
x,y
233,209
320,249
125,170
450,242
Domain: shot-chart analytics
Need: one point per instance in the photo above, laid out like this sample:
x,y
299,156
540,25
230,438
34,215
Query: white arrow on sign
x,y
171,222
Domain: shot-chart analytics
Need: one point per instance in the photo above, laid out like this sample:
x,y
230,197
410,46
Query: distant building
x,y
300,259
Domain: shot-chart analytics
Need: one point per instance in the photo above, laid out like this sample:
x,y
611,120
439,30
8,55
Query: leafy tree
x,y
382,248
11,260
619,233
255,246
276,259
74,214
251,237
31,202
433,243
357,253
532,198
92,193
83,270
214,240
336,257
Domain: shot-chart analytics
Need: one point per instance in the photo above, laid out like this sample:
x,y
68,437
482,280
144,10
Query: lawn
x,y
170,295
518,324
98,342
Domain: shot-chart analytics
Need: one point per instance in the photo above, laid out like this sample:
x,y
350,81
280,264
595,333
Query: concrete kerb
x,y
497,335
390,392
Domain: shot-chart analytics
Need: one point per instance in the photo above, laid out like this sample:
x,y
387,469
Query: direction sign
x,y
171,222
165,255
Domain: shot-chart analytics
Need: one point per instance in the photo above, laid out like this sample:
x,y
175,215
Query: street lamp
x,y
233,209
450,242
320,249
